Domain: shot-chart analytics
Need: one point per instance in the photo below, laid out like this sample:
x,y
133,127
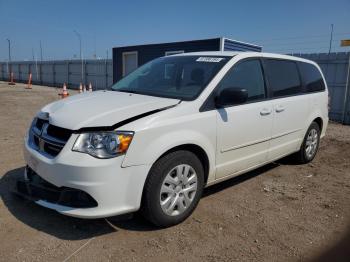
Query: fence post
x,y
53,74
346,94
9,70
85,73
106,73
29,70
19,72
67,77
40,73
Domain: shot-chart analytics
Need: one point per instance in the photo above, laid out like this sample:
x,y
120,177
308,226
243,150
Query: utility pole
x,y
331,40
41,52
33,60
106,70
41,63
36,68
9,44
95,56
80,56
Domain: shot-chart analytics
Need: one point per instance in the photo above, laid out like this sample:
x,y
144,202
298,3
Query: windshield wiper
x,y
128,91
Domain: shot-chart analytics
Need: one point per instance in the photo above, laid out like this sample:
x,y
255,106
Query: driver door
x,y
244,131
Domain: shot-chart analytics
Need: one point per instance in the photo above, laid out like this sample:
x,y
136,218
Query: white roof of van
x,y
257,54
212,53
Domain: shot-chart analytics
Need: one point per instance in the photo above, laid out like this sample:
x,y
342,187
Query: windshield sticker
x,y
209,59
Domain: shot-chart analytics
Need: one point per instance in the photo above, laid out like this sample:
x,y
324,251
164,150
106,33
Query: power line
x,y
300,37
302,48
300,43
317,47
307,40
304,42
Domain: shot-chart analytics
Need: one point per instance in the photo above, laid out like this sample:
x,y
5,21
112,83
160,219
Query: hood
x,y
102,108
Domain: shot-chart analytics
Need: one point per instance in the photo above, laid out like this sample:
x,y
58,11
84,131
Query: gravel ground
x,y
281,212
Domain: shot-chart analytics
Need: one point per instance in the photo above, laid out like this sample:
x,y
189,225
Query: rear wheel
x,y
310,144
173,188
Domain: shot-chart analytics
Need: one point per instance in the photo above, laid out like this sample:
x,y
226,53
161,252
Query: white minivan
x,y
170,128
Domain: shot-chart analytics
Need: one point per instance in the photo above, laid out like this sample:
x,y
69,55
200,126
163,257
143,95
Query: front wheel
x,y
173,188
310,144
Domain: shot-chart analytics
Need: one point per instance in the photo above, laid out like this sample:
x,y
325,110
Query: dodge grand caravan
x,y
170,128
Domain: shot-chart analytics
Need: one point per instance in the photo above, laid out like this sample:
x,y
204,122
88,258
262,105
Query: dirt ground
x,y
281,212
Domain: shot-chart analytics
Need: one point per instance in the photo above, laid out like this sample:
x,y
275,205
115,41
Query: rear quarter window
x,y
283,77
311,78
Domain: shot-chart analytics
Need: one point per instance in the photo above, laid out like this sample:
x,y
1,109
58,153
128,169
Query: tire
x,y
303,156
168,197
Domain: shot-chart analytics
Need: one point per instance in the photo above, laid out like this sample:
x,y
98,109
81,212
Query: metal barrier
x,y
56,73
335,68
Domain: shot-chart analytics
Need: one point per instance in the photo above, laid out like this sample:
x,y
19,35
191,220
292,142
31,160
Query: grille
x,y
48,139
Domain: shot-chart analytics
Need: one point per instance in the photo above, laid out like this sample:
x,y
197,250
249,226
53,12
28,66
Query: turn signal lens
x,y
125,141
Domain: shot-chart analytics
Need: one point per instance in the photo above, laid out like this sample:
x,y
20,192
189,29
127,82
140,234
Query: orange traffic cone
x,y
80,88
29,86
84,89
90,87
12,81
64,93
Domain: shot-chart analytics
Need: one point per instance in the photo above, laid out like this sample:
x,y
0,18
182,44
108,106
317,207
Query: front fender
x,y
146,147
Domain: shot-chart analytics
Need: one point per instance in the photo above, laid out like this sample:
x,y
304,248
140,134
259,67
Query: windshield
x,y
179,77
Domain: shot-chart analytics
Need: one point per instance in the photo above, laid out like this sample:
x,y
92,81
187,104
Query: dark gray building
x,y
128,58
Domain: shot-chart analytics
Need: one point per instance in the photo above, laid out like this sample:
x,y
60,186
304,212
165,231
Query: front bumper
x,y
115,189
35,188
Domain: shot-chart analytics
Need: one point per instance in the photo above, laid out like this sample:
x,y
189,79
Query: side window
x,y
312,78
169,71
283,77
246,75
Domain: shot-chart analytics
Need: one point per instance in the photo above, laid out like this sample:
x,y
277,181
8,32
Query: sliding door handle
x,y
279,109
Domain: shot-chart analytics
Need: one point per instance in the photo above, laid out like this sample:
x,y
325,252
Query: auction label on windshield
x,y
209,59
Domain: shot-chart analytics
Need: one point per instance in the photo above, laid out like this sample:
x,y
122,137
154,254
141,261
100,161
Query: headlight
x,y
103,144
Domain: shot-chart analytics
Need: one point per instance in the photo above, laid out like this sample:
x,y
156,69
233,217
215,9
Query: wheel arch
x,y
195,149
318,120
156,145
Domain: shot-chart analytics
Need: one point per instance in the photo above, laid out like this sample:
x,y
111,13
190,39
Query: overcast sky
x,y
279,26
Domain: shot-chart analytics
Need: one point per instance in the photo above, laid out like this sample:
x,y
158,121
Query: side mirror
x,y
231,96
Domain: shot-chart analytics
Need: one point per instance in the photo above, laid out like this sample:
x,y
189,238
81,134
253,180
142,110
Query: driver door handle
x,y
265,111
